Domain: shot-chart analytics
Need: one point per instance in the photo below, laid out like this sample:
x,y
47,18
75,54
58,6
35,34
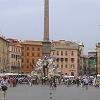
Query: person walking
x,y
77,82
86,83
4,86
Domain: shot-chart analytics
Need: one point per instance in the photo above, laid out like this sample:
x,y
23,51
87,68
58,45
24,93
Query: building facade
x,y
83,69
31,52
4,61
67,56
92,63
98,58
14,56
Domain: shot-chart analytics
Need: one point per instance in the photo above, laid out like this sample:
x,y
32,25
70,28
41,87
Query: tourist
x,y
4,86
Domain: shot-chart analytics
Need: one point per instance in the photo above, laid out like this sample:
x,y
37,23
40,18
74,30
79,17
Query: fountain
x,y
45,67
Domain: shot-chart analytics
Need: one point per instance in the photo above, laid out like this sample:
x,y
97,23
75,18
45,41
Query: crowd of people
x,y
31,80
52,82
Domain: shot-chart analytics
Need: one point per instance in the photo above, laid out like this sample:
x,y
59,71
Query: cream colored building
x,y
14,55
98,58
4,61
67,56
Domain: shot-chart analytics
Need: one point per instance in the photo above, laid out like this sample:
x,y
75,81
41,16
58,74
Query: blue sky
x,y
75,20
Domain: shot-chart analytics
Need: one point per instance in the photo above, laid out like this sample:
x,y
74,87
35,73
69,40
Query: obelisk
x,y
46,20
46,43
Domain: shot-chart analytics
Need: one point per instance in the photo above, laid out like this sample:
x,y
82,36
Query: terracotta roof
x,y
32,42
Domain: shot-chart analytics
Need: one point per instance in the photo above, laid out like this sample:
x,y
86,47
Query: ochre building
x,y
98,58
4,53
31,52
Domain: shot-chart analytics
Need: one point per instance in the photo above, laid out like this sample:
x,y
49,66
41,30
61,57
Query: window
x,y
27,60
72,60
19,57
32,48
38,49
65,52
62,59
72,53
16,49
11,55
57,66
32,61
66,59
38,54
61,66
57,59
27,48
72,66
61,52
22,72
57,52
27,54
14,56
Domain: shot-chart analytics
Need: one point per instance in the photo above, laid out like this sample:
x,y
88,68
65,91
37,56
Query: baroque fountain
x,y
46,67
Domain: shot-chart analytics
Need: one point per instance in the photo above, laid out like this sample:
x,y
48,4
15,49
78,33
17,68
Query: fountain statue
x,y
45,67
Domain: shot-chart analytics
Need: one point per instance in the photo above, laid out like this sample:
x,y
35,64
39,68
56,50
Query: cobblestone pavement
x,y
45,93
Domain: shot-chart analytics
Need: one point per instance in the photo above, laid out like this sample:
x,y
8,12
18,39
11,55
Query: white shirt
x,y
4,82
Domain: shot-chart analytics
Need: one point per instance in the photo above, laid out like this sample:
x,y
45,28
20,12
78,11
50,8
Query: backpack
x,y
4,88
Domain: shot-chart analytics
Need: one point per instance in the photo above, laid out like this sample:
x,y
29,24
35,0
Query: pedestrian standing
x,y
81,83
77,82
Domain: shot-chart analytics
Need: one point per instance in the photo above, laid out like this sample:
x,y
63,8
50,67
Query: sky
x,y
70,20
